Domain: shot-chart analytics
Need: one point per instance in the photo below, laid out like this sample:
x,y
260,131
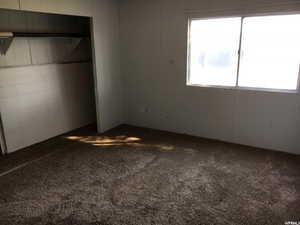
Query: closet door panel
x,y
74,7
9,4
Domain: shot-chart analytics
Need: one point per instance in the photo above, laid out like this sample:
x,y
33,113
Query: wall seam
x,y
125,110
30,51
2,138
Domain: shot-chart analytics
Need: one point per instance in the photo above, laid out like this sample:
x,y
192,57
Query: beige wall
x,y
153,56
10,4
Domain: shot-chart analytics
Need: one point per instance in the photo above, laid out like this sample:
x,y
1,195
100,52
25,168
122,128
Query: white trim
x,y
245,88
298,81
247,9
215,15
188,56
239,53
237,87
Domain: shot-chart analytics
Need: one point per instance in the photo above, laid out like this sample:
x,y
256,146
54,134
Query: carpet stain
x,y
135,176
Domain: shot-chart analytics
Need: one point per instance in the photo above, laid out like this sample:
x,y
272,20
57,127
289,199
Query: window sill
x,y
245,88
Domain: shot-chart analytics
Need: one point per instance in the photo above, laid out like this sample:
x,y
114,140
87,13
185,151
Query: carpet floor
x,y
136,176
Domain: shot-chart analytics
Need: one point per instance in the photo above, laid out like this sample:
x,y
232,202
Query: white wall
x,y
110,89
68,7
40,102
153,35
10,4
46,84
153,56
105,16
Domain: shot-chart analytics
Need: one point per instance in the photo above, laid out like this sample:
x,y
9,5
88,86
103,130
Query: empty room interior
x,y
149,112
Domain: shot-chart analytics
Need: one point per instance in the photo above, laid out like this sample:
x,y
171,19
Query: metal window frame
x,y
191,18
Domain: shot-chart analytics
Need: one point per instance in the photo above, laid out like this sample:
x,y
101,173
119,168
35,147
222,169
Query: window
x,y
214,51
250,52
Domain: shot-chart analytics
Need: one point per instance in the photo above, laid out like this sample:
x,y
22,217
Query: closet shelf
x,y
6,38
66,35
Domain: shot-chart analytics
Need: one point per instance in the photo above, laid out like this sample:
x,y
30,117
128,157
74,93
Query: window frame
x,y
190,18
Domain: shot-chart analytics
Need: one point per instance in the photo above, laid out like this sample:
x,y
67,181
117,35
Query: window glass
x,y
270,53
214,45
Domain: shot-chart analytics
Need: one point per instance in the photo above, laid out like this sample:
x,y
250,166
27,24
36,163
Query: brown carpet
x,y
135,176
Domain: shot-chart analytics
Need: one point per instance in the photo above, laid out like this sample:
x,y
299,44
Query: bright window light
x,y
269,49
270,52
214,45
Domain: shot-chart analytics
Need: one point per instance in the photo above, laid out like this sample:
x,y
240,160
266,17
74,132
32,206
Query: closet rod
x,y
67,35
